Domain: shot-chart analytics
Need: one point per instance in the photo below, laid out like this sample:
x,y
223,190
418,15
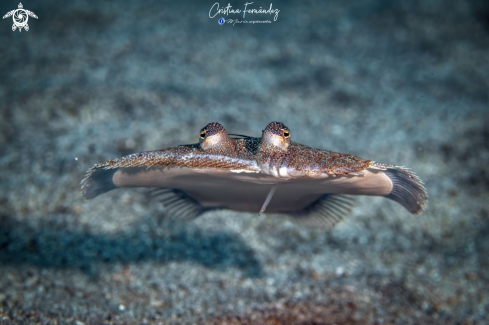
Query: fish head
x,y
276,134
213,137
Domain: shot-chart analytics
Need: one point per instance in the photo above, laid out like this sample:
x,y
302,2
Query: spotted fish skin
x,y
240,173
215,140
214,150
191,156
301,160
280,157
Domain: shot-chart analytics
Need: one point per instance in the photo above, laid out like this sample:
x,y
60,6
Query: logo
x,y
20,17
250,14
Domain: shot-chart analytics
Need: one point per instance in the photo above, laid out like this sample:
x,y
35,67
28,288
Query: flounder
x,y
271,173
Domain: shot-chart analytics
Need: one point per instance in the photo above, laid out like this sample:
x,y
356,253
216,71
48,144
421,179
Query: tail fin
x,y
98,181
407,189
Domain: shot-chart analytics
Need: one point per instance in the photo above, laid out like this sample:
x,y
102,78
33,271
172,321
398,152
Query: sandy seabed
x,y
399,83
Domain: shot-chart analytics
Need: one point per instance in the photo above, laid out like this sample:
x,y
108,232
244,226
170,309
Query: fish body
x,y
311,186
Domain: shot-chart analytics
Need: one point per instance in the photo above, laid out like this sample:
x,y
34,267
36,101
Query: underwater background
x,y
403,83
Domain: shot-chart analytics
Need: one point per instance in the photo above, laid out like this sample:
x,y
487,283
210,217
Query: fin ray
x,y
98,182
179,204
325,212
407,189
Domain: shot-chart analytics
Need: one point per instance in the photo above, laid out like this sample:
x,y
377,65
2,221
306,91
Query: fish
x,y
267,174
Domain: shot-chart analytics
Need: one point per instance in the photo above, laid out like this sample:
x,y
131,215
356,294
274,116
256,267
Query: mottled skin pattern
x,y
282,157
181,156
215,140
249,154
266,155
310,162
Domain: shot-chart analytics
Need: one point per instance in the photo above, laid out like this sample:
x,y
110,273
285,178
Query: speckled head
x,y
276,134
213,137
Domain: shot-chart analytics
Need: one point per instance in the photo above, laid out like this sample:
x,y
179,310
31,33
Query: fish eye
x,y
203,134
286,133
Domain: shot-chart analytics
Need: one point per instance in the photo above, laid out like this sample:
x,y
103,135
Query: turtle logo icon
x,y
20,17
